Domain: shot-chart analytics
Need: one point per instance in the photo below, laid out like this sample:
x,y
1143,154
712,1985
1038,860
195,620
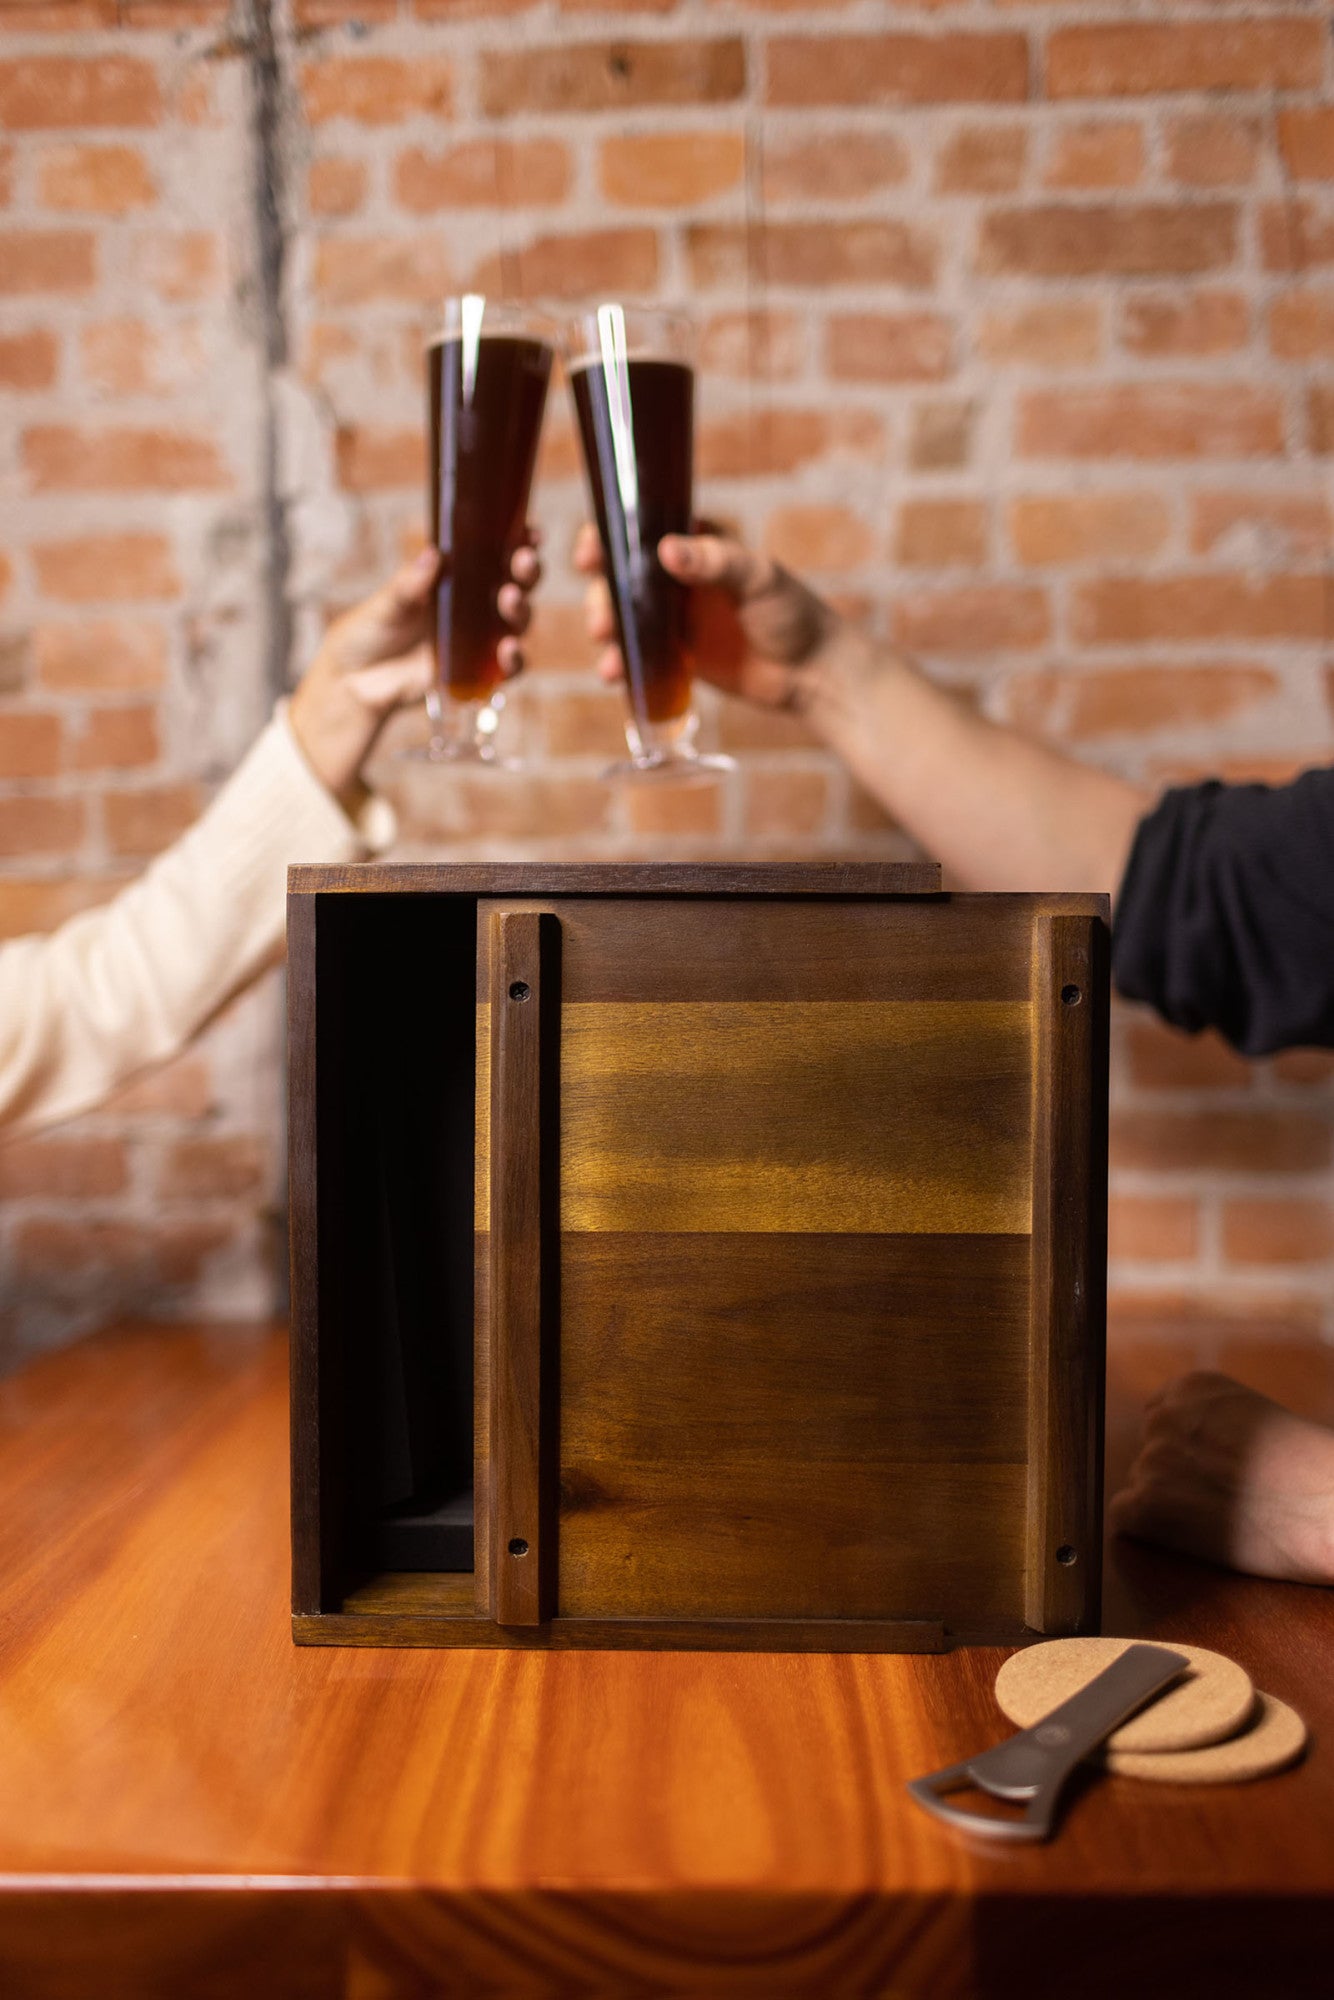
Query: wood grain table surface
x,y
192,1806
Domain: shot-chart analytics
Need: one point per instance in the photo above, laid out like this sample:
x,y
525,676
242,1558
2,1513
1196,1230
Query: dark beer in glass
x,y
633,381
487,372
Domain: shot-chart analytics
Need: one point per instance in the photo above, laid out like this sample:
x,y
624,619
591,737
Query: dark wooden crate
x,y
694,1257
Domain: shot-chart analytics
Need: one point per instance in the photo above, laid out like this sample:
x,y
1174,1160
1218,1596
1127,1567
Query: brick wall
x,y
1018,336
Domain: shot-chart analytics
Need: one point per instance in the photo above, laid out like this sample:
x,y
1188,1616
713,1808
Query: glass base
x,y
462,732
683,765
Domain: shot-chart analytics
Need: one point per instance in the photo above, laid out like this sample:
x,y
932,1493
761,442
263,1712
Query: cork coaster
x,y
1276,1737
1212,1700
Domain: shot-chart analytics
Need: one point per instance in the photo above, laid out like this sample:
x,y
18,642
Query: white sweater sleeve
x,y
128,984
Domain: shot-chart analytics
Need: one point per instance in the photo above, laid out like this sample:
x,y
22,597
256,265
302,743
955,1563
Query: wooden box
x,y
694,1257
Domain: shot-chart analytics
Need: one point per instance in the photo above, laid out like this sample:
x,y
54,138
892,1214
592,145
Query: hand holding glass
x,y
487,372
633,382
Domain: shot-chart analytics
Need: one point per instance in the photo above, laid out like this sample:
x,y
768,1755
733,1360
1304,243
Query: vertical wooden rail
x,y
1069,1297
524,997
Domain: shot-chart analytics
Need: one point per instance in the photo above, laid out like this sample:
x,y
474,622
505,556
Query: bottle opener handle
x,y
1033,1766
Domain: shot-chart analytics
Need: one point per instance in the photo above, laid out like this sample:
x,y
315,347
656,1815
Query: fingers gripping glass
x,y
487,371
633,381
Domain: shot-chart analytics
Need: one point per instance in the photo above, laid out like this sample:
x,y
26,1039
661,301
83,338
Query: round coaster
x,y
1212,1699
1275,1738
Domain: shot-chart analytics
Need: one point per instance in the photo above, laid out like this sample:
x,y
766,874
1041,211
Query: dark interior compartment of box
x,y
397,1057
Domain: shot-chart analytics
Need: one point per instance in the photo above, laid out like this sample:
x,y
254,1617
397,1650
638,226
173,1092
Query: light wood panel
x,y
835,1116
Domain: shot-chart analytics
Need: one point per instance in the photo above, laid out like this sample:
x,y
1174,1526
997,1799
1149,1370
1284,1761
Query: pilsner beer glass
x,y
487,370
633,381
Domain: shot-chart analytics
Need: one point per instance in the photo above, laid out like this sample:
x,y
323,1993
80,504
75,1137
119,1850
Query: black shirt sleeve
x,y
1225,918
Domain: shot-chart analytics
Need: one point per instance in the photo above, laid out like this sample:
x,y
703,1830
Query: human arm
x,y
1228,1475
126,985
998,810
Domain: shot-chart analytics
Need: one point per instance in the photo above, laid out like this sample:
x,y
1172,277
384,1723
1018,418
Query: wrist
x,y
842,681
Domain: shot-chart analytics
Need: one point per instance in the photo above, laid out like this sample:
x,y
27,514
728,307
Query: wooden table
x,y
191,1806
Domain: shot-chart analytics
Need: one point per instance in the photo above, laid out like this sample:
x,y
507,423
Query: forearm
x,y
997,810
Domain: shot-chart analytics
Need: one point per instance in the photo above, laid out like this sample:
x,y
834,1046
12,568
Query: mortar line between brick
x,y
269,202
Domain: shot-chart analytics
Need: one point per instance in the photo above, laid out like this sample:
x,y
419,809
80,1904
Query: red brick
x,y
1133,700
767,345
336,187
15,650
1249,770
1285,524
57,16
585,723
1151,420
335,13
179,265
46,260
892,69
31,907
1320,417
28,360
68,1169
1140,58
1130,610
1104,153
208,1169
1306,141
1296,235
670,169
981,618
1060,334
1088,527
891,347
606,76
146,821
982,159
131,357
1078,240
765,443
741,726
624,261
95,180
40,826
1162,1059
557,806
1153,1229
86,569
180,1250
174,14
483,173
1301,326
941,437
374,460
100,655
179,1089
812,253
832,166
30,744
376,90
1288,1231
1213,149
60,458
121,739
364,270
66,1253
6,174
942,534
786,802
1247,1140
41,92
1167,323
818,538
663,810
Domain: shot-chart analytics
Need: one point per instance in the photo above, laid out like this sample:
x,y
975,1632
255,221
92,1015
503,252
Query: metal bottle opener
x,y
1035,1765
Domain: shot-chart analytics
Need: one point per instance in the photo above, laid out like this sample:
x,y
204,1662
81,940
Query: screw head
x,y
520,990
